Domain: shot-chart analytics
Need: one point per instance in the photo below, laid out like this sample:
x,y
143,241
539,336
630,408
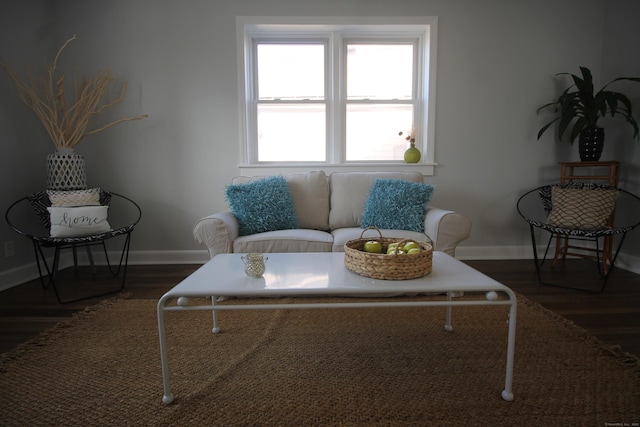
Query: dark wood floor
x,y
613,315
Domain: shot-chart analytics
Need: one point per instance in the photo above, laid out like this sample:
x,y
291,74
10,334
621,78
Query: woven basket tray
x,y
383,266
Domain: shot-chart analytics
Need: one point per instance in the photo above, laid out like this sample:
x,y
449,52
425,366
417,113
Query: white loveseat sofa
x,y
329,212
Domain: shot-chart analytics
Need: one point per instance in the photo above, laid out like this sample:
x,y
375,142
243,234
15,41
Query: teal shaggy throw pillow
x,y
262,205
396,204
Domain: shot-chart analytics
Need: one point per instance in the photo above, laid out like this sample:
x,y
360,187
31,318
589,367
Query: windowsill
x,y
427,169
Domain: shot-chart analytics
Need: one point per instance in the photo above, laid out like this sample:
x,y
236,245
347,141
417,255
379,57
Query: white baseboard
x,y
493,252
25,273
624,261
168,257
628,262
16,276
28,272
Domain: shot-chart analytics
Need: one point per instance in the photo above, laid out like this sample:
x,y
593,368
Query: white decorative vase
x,y
65,170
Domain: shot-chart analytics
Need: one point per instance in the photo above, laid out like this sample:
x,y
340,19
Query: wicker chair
x,y
29,217
588,221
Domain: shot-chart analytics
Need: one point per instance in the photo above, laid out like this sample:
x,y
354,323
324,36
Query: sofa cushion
x,y
310,194
397,204
299,240
262,205
349,193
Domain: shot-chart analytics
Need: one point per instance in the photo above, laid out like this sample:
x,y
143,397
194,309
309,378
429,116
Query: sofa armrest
x,y
446,229
217,232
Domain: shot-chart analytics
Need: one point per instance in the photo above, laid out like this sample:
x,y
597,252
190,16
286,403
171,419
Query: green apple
x,y
373,247
400,252
413,251
410,245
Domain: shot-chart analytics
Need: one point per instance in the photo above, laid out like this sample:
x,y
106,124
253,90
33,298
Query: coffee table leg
x,y
215,328
164,357
447,326
507,393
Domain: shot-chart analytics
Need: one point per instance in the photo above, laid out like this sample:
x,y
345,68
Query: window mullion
x,y
335,118
419,120
252,101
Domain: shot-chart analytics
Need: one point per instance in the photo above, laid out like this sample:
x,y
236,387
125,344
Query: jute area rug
x,y
350,367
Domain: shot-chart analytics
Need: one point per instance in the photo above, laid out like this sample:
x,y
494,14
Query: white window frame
x,y
334,30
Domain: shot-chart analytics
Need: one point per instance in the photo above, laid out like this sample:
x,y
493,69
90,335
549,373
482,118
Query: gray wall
x,y
496,61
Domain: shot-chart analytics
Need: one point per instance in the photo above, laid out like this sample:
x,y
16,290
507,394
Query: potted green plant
x,y
580,107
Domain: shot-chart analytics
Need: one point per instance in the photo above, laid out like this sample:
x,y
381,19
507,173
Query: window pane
x,y
372,131
287,71
382,71
291,133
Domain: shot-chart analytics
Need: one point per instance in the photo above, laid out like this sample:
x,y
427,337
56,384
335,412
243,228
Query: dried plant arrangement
x,y
65,119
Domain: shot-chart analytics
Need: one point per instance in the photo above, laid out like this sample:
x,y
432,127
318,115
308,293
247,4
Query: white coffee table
x,y
324,274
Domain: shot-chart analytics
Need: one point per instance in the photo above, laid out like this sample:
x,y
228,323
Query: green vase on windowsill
x,y
412,155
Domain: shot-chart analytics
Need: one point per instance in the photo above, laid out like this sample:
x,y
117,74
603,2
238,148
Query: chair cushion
x,y
40,203
78,221
88,197
397,204
587,209
262,205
